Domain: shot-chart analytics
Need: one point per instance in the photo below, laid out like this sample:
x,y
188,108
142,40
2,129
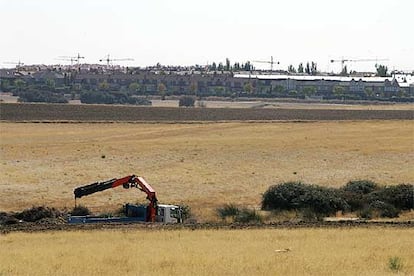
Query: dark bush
x,y
7,219
356,191
360,186
298,196
401,196
186,101
185,212
379,209
228,210
80,210
37,213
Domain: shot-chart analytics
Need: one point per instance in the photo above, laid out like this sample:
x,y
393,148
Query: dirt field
x,y
362,251
203,165
112,113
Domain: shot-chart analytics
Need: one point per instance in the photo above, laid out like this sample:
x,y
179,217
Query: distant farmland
x,y
108,113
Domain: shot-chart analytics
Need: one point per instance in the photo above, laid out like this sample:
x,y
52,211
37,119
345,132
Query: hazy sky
x,y
199,32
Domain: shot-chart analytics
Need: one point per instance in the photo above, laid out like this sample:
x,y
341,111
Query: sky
x,y
187,32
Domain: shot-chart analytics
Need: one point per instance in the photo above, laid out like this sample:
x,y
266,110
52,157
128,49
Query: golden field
x,y
203,165
362,251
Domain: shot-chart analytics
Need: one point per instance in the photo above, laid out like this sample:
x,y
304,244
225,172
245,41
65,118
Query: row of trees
x,y
227,66
309,68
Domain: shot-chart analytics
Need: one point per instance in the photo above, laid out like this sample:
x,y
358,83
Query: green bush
x,y
395,264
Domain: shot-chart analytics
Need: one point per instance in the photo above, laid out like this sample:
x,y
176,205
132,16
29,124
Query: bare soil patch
x,y
90,113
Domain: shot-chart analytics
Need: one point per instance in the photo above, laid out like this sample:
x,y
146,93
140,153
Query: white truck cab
x,y
169,213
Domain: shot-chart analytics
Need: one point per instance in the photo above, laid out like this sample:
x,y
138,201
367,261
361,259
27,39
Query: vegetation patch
x,y
365,197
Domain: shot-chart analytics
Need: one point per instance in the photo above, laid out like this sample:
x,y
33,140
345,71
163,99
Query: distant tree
x,y
300,68
339,91
133,87
293,93
193,88
308,69
309,90
291,69
382,70
236,66
248,87
228,66
51,84
161,89
248,66
213,66
19,84
368,92
103,86
4,85
314,69
220,67
344,71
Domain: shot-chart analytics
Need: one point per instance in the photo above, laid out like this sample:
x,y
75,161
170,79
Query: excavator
x,y
153,212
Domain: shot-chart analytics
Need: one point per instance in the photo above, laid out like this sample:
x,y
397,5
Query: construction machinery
x,y
343,60
109,61
271,62
153,212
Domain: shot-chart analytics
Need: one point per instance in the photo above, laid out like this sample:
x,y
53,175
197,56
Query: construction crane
x,y
110,60
271,62
76,59
343,60
18,64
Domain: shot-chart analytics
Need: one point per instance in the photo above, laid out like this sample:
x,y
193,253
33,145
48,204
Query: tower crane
x,y
271,62
343,60
110,60
18,64
76,58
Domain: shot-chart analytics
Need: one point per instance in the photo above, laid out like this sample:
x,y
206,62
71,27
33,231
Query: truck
x,y
153,212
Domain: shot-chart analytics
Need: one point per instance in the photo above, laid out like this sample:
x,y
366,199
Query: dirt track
x,y
47,226
106,113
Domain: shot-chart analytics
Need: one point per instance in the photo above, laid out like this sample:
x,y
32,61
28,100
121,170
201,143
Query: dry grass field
x,y
361,251
203,165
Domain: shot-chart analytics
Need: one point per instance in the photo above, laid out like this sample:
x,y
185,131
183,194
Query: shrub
x,y
186,101
401,196
228,210
379,209
7,219
395,264
37,213
356,191
360,186
298,196
185,212
80,210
